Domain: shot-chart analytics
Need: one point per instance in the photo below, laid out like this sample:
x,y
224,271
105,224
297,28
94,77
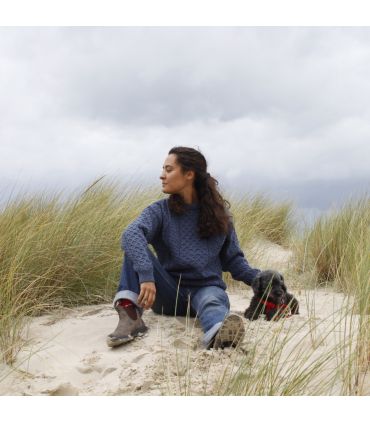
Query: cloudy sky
x,y
285,111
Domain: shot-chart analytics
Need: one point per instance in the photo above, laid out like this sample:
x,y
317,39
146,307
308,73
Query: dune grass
x,y
56,253
66,253
336,251
337,246
60,254
258,216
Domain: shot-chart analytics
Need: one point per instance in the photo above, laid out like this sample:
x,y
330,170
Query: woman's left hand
x,y
147,295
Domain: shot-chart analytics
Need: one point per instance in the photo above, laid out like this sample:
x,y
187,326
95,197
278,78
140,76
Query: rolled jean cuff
x,y
209,335
129,295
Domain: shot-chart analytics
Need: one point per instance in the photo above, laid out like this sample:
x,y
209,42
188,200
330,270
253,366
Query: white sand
x,y
67,354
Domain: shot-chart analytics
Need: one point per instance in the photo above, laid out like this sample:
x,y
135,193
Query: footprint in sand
x,y
60,390
185,345
92,312
91,359
139,357
89,364
108,371
86,370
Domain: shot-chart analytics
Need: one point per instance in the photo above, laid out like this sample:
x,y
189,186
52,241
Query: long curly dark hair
x,y
214,214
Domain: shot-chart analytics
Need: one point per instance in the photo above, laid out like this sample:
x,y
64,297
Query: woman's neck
x,y
189,196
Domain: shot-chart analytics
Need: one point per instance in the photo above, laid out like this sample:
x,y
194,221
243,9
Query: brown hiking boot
x,y
230,334
130,326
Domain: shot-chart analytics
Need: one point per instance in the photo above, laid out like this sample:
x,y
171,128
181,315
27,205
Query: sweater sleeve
x,y
138,235
234,261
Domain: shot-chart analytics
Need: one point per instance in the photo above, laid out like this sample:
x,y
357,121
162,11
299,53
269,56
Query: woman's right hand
x,y
147,295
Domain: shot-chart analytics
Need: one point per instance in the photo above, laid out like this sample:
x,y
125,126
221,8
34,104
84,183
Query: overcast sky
x,y
284,111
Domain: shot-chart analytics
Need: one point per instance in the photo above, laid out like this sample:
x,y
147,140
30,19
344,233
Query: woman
x,y
193,236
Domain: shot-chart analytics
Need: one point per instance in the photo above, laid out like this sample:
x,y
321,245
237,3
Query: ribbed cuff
x,y
252,274
146,275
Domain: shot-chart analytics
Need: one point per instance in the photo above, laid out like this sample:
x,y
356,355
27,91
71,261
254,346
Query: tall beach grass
x,y
336,252
56,253
62,253
337,246
259,216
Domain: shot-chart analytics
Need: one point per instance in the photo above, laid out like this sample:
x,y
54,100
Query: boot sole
x,y
115,342
231,333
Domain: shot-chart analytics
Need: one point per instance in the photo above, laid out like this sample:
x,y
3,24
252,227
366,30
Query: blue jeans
x,y
210,304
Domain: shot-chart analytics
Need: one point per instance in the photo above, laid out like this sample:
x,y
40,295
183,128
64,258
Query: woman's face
x,y
173,180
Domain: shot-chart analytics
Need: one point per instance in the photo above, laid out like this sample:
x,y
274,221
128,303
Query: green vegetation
x,y
57,254
337,247
337,253
258,216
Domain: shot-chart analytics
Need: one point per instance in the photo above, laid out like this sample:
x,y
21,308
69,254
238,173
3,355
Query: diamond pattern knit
x,y
180,250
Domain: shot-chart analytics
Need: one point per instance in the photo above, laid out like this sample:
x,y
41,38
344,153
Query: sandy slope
x,y
66,353
68,356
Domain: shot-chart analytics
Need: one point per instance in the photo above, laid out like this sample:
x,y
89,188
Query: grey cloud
x,y
173,76
270,107
170,76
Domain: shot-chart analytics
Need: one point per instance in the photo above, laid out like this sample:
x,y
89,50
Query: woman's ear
x,y
190,175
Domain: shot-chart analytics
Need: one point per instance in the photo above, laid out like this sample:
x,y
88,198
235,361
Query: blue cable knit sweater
x,y
180,250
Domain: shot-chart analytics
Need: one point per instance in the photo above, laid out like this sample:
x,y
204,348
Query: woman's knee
x,y
218,300
212,298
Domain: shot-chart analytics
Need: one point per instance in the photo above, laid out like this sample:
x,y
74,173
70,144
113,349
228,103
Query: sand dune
x,y
66,353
